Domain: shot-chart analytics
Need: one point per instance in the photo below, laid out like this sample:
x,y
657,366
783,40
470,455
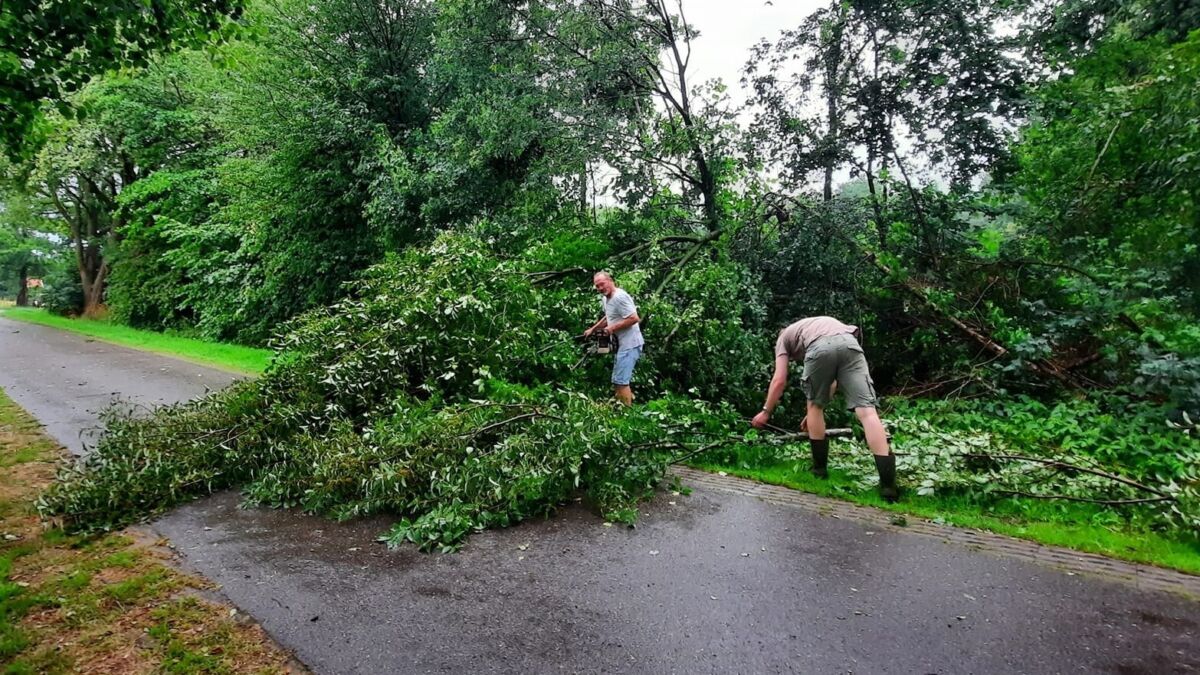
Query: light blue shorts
x,y
623,366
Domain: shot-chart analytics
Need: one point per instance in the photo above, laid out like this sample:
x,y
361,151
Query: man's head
x,y
604,283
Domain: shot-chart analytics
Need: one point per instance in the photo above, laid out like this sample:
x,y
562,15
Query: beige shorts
x,y
837,358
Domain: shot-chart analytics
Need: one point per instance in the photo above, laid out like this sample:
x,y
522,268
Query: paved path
x,y
715,582
65,379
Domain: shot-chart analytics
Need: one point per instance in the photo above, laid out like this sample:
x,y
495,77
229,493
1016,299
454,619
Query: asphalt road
x,y
65,380
707,583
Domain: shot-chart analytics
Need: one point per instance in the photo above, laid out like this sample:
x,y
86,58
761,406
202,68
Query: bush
x,y
63,294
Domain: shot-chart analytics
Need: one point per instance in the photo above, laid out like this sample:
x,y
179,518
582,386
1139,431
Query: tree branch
x,y
1064,466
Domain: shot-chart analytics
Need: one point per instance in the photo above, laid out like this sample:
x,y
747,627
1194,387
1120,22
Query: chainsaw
x,y
598,343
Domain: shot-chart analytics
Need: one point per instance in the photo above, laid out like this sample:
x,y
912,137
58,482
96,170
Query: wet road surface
x,y
713,582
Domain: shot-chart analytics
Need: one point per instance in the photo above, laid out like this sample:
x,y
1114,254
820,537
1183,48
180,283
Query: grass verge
x,y
237,358
105,604
1057,524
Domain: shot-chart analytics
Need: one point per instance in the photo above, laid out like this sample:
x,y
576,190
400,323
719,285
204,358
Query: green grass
x,y
237,358
1055,524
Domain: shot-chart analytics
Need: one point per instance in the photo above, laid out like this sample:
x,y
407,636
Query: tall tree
x,y
674,154
131,127
887,87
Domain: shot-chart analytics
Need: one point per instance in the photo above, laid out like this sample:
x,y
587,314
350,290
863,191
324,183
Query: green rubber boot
x,y
886,466
820,455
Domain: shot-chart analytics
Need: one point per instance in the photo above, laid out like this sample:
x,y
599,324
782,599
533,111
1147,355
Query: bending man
x,y
831,354
621,320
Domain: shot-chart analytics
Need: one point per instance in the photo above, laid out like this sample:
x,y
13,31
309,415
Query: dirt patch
x,y
23,479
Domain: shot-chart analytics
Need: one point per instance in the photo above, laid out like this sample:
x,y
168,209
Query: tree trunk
x,y
23,289
881,227
833,60
583,190
93,292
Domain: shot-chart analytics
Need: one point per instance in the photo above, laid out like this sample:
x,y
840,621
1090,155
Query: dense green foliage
x,y
406,198
50,50
442,389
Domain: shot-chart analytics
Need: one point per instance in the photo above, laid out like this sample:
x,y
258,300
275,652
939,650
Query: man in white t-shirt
x,y
620,319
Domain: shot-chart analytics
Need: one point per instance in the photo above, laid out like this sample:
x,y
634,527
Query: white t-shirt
x,y
617,308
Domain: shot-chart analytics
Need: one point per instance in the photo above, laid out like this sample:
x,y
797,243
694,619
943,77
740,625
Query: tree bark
x,y
23,290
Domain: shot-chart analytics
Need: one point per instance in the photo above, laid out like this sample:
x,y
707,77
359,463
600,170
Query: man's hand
x,y
804,424
588,333
760,420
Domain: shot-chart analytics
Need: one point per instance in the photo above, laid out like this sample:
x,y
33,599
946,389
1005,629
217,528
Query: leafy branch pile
x,y
430,394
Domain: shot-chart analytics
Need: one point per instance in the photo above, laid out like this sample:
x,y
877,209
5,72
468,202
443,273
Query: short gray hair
x,y
604,274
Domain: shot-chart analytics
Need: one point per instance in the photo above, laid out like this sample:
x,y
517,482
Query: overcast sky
x,y
728,28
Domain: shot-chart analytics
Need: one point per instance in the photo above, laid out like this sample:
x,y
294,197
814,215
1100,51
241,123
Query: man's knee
x,y
867,415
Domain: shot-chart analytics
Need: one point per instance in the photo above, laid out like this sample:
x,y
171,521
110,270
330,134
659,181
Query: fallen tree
x,y
444,392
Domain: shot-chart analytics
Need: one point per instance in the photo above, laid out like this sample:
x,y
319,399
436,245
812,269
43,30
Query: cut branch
x,y
1087,500
1065,467
511,420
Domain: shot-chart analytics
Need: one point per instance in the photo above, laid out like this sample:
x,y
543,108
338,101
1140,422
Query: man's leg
x,y
820,371
874,431
855,379
817,441
623,365
885,461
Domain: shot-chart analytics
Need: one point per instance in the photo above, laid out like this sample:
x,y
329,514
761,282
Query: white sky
x,y
729,28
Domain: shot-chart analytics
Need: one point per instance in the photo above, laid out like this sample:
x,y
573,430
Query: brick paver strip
x,y
1145,577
